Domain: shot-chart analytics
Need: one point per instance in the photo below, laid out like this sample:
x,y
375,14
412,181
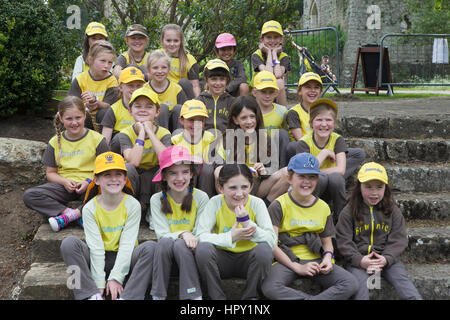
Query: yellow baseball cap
x,y
104,162
308,76
108,161
96,28
265,79
271,26
130,74
193,108
217,63
372,171
326,101
144,91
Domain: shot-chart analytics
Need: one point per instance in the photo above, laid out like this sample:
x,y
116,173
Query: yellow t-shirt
x,y
149,158
199,149
174,73
96,87
304,120
123,117
226,219
275,119
315,150
77,158
140,63
169,96
298,220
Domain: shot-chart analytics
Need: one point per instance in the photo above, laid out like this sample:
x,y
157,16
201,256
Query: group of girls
x,y
231,220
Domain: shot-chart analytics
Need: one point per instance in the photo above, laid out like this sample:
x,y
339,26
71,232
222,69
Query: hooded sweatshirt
x,y
218,110
386,235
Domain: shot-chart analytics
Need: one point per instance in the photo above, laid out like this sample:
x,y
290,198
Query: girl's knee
x,y
204,252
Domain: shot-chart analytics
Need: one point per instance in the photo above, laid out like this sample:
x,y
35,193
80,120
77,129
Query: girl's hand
x,y
190,240
69,185
149,127
114,288
327,153
308,269
326,266
81,187
241,212
242,233
260,169
276,52
366,261
263,48
139,127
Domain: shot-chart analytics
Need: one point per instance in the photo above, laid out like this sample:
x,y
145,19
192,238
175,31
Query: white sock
x,y
96,296
198,298
158,298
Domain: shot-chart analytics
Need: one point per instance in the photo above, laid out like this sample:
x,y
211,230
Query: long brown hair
x,y
182,54
186,204
356,202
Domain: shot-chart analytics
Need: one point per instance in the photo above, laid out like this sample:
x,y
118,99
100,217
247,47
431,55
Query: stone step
x,y
394,126
426,244
419,177
48,281
398,150
425,206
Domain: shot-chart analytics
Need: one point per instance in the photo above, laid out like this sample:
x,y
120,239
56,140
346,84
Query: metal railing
x,y
318,43
411,60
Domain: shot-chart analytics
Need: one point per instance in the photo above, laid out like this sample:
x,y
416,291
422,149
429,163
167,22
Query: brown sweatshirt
x,y
218,110
386,235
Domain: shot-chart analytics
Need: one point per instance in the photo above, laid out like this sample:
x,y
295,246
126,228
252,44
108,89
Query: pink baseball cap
x,y
176,155
225,40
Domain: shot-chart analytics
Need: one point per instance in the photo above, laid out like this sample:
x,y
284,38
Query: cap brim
x,y
137,32
197,162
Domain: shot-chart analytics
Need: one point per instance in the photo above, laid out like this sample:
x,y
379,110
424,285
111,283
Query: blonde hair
x,y
65,104
155,56
182,55
319,109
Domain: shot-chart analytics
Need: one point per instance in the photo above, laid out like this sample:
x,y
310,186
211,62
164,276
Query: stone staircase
x,y
414,147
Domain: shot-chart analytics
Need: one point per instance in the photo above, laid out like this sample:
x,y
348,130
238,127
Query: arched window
x,y
313,13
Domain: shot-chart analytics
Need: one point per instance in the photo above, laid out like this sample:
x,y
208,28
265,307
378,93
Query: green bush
x,y
30,56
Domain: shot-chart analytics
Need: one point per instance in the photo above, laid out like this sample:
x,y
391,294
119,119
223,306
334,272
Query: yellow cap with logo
x,y
96,28
217,63
193,108
130,74
265,79
271,26
146,92
372,171
308,76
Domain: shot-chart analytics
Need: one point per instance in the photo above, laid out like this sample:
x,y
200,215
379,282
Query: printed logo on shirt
x,y
310,222
379,226
71,154
112,229
182,221
126,122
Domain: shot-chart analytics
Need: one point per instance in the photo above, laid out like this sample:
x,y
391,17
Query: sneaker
x,y
57,223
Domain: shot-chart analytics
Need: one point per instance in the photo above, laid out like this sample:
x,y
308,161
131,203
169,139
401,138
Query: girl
x,y
371,233
270,56
94,31
330,149
246,116
69,160
136,38
235,234
97,87
117,117
168,91
184,68
297,118
216,99
225,49
199,142
142,142
174,212
304,227
110,255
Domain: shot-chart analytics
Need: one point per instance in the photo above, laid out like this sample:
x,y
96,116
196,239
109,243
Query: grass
x,y
382,95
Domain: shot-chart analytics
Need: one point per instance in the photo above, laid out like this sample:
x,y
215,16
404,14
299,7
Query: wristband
x,y
325,252
242,219
275,62
140,142
88,180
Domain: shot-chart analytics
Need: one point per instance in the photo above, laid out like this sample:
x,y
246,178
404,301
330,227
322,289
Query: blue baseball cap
x,y
304,163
